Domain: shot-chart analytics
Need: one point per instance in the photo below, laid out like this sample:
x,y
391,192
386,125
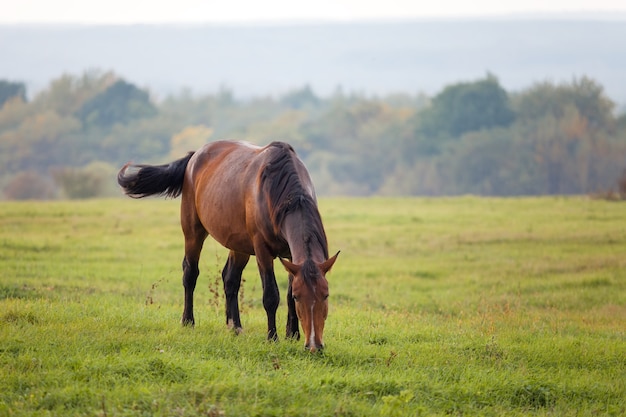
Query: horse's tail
x,y
149,180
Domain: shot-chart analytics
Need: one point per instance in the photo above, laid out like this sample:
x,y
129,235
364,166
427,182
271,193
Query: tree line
x,y
473,137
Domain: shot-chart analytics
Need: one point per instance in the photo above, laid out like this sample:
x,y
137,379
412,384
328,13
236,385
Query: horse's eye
x,y
295,298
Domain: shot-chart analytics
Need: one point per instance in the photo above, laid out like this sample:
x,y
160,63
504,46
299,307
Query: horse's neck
x,y
301,239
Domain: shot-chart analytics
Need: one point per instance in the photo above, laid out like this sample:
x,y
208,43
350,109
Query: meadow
x,y
443,306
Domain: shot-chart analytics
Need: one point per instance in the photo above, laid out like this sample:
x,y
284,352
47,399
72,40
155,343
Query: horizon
x,y
573,16
284,12
368,56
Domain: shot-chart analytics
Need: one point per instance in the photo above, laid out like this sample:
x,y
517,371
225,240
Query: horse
x,y
256,201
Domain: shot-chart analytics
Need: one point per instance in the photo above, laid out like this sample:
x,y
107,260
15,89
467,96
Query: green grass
x,y
442,306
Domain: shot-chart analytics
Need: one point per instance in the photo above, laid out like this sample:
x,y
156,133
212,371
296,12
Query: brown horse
x,y
254,201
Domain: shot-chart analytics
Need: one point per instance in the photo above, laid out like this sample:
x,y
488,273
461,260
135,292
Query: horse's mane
x,y
287,194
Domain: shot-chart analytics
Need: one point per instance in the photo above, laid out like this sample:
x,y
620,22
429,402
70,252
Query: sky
x,y
277,11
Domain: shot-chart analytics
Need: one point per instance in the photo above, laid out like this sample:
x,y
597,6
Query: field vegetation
x,y
473,137
438,306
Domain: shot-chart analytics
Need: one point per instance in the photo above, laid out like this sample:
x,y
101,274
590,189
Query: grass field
x,y
447,306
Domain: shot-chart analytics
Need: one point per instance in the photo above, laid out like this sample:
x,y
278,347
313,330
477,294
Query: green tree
x,y
118,104
363,135
301,98
9,90
569,127
146,140
13,113
467,107
490,162
67,94
547,99
458,109
41,140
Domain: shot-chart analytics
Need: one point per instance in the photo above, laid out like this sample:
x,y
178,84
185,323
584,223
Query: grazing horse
x,y
254,201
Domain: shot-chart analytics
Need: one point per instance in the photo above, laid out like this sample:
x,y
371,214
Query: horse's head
x,y
309,289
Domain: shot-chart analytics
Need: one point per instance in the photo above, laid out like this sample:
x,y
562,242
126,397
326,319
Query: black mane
x,y
287,194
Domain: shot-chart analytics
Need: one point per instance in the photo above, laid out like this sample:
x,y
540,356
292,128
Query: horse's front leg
x,y
231,276
271,295
293,329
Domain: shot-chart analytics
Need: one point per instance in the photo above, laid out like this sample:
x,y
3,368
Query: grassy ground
x,y
438,306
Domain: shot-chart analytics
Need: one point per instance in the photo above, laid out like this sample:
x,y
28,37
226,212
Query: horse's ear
x,y
326,265
292,268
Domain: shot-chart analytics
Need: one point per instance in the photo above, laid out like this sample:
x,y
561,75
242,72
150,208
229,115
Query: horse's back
x,y
239,163
223,190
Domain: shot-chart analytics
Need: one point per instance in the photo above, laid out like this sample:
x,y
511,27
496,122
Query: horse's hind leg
x,y
231,275
190,276
195,234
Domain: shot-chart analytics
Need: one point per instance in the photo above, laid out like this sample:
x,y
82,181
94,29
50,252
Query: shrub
x,y
94,180
29,185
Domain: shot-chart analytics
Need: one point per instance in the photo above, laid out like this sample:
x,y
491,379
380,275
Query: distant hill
x,y
370,58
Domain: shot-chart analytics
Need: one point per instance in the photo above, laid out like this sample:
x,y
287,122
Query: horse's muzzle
x,y
314,348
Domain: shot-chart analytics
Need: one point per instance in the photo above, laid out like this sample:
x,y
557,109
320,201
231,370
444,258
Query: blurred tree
x,y
466,107
332,129
40,141
564,138
363,135
146,140
118,104
93,180
301,99
568,127
547,99
189,139
9,90
108,173
67,94
285,126
29,185
13,113
490,162
620,125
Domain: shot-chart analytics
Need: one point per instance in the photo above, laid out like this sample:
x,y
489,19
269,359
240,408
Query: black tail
x,y
149,180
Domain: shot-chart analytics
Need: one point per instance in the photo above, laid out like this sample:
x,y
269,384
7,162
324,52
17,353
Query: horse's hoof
x,y
293,335
237,330
188,322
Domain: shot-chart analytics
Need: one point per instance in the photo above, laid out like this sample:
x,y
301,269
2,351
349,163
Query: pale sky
x,y
273,11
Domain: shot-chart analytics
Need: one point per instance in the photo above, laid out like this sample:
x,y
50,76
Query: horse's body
x,y
254,201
